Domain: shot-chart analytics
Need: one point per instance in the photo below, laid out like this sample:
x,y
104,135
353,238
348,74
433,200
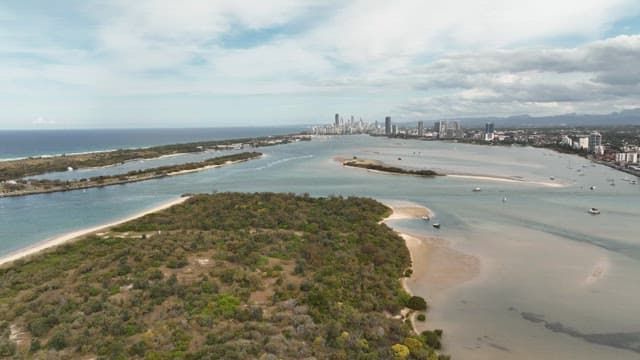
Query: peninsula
x,y
229,275
39,186
16,169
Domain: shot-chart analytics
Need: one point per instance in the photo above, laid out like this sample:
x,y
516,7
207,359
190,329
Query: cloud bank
x,y
228,62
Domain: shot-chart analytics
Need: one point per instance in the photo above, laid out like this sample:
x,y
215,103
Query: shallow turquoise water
x,y
536,249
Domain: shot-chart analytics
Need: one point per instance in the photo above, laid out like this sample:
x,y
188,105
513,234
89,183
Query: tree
x,y
417,303
400,352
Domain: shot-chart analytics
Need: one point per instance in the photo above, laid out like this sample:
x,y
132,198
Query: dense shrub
x,y
224,276
417,303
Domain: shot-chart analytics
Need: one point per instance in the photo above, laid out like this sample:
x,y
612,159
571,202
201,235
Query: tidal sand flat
x,y
436,266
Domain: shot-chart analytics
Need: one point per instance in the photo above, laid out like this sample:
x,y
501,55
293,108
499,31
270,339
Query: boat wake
x,y
281,161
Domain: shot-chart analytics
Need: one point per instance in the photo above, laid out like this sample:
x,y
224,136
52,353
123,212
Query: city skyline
x,y
105,64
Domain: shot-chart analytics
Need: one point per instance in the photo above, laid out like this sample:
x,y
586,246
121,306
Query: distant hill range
x,y
626,117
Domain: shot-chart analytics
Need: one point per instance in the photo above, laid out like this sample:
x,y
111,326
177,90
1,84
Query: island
x,y
24,187
16,169
377,165
222,276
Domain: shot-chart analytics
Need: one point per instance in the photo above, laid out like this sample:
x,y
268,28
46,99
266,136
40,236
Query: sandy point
x,y
72,236
407,211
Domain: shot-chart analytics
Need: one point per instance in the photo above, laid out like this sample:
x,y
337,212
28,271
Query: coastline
x,y
118,181
75,235
436,265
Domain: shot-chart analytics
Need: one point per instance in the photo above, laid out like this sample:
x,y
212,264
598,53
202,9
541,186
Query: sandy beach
x,y
409,211
69,237
436,266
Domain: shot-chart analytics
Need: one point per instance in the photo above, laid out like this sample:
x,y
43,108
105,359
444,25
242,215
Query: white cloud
x,y
447,57
601,76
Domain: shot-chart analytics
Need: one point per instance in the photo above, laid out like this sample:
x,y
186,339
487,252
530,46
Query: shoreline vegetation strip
x,y
378,166
33,186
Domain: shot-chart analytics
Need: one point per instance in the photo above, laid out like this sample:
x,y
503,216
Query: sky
x,y
151,63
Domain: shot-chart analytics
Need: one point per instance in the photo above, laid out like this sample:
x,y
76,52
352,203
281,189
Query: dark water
x,y
25,143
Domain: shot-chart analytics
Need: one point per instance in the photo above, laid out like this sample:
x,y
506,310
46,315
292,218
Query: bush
x,y
400,352
417,303
432,339
413,344
7,348
421,317
138,349
39,327
58,341
35,345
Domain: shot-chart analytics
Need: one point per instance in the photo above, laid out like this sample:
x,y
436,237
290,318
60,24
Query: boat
x,y
426,218
594,211
477,189
436,225
504,199
552,178
593,187
634,182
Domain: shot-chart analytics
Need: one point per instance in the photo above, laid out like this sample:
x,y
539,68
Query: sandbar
x,y
508,179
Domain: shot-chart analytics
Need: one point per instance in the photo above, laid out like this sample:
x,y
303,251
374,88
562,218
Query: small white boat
x,y
426,218
552,178
436,225
504,199
594,211
477,189
592,187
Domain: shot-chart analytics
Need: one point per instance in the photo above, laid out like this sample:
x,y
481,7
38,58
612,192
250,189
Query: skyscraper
x,y
488,132
488,128
595,142
441,128
387,125
337,120
420,128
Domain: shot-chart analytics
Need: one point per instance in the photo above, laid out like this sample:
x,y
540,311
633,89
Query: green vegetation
x,y
24,187
16,169
371,165
224,276
417,303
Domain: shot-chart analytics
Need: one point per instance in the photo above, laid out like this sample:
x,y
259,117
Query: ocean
x,y
25,143
554,281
